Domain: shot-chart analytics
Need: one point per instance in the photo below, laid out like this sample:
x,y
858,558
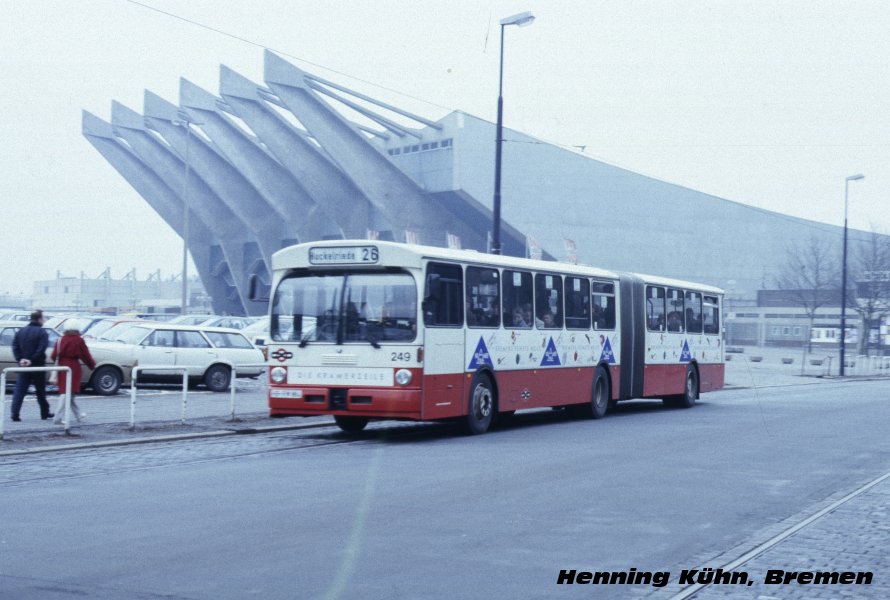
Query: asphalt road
x,y
419,511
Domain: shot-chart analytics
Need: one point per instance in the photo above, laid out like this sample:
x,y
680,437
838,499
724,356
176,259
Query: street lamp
x,y
184,121
844,270
520,20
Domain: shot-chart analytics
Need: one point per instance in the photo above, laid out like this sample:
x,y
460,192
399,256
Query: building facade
x,y
299,158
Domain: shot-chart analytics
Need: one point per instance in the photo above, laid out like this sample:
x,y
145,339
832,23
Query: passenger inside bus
x,y
674,322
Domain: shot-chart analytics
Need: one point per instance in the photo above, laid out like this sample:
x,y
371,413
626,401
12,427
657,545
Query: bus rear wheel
x,y
690,391
481,406
351,424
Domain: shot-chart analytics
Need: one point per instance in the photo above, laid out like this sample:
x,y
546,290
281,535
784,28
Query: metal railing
x,y
234,370
66,421
133,378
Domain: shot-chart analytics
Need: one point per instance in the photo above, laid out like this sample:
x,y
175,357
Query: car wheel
x,y
106,381
217,378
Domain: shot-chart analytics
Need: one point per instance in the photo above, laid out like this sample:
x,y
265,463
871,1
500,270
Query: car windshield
x,y
337,307
114,332
132,335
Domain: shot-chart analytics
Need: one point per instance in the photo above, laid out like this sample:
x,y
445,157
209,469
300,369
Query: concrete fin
x,y
122,116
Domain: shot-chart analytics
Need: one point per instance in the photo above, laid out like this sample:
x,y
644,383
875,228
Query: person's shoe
x,y
48,416
17,419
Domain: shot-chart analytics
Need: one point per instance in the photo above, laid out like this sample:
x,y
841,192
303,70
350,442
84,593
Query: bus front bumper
x,y
385,403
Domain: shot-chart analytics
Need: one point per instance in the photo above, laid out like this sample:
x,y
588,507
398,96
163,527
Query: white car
x,y
207,353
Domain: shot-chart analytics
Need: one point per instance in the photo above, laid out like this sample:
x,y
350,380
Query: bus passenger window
x,y
548,301
711,316
655,308
442,302
483,301
603,294
517,292
693,312
675,314
577,295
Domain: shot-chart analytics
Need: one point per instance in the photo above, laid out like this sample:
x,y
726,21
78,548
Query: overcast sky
x,y
768,103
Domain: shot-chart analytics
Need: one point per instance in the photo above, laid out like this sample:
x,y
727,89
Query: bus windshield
x,y
337,307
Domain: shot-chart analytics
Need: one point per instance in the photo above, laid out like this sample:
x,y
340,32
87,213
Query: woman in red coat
x,y
69,351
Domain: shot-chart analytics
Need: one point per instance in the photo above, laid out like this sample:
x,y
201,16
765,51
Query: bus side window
x,y
693,312
548,301
483,297
517,292
577,295
655,308
711,316
676,314
603,294
442,304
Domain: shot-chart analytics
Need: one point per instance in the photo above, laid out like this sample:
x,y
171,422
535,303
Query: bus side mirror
x,y
253,283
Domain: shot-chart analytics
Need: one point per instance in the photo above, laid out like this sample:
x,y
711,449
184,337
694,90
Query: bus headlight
x,y
278,374
403,376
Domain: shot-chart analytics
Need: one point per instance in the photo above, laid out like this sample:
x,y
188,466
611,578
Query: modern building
x,y
109,294
300,158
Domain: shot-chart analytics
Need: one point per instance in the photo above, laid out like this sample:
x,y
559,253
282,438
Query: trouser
x,y
60,410
22,383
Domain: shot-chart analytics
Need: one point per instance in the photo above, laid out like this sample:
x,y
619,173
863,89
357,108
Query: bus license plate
x,y
279,393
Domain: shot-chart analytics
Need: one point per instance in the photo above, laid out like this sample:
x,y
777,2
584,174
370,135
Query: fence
x,y
66,421
134,376
234,369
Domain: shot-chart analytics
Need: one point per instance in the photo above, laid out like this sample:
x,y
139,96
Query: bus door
x,y
443,361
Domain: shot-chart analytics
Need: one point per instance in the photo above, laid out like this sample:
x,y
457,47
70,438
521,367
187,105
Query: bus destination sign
x,y
344,255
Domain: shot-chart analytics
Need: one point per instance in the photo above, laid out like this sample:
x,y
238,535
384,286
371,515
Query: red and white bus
x,y
367,330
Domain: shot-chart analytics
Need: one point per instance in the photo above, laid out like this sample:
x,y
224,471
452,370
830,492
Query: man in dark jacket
x,y
29,350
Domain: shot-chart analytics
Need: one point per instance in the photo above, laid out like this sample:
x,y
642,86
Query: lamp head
x,y
520,20
856,177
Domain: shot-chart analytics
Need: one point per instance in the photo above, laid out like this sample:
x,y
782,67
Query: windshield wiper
x,y
373,341
304,341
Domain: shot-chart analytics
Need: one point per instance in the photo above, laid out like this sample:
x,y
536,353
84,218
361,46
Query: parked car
x,y
8,330
191,319
229,322
19,316
86,321
207,353
99,328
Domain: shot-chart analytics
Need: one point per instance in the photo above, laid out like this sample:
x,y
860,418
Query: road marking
x,y
779,538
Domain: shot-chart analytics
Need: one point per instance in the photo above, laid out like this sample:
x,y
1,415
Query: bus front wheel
x,y
481,405
351,424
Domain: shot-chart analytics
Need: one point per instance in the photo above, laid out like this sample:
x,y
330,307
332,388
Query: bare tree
x,y
810,279
870,295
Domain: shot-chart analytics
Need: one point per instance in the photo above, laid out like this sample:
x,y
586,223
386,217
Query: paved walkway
x,y
854,537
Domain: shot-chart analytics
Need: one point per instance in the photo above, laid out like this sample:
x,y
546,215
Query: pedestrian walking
x,y
70,351
29,350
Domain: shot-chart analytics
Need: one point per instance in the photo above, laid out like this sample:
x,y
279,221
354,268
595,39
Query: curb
x,y
175,437
803,383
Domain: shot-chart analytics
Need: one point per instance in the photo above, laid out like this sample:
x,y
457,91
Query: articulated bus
x,y
367,330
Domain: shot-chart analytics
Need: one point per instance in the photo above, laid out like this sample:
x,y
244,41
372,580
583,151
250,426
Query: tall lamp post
x,y
844,275
186,209
520,20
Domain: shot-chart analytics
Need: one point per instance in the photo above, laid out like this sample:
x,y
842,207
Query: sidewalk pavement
x,y
853,537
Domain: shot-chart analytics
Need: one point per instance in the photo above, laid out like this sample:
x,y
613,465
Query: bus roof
x,y
411,255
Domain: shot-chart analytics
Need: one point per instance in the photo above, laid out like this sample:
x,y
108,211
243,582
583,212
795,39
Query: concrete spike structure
x,y
232,235
226,182
327,185
292,203
168,205
400,199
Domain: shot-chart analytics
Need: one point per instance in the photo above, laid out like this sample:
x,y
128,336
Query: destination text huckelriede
x,y
710,576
